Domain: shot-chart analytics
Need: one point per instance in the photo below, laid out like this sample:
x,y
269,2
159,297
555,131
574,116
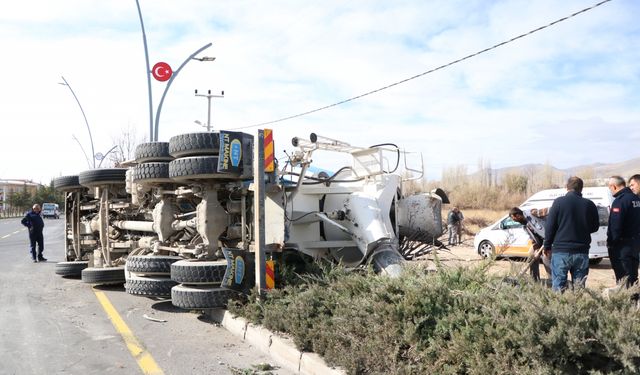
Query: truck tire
x,y
65,183
193,144
149,286
71,269
111,275
97,177
153,151
151,172
198,272
197,167
151,264
193,297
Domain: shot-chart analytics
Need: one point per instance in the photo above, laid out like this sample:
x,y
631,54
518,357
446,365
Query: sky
x,y
567,95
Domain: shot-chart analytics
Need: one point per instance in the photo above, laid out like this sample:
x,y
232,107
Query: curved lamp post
x,y
105,155
173,76
85,121
146,56
83,151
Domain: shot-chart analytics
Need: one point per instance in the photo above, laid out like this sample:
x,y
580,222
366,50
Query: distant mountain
x,y
601,170
596,172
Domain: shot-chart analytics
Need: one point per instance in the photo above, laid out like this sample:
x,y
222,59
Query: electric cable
x,y
428,71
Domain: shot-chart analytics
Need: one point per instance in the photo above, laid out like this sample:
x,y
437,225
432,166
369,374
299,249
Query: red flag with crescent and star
x,y
161,71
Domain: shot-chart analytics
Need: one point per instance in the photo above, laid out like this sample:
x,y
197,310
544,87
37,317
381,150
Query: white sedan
x,y
507,238
504,238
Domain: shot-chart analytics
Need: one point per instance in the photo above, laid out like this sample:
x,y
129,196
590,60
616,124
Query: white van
x,y
50,210
507,237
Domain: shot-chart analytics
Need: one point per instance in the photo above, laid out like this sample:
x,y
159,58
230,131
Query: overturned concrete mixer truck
x,y
184,218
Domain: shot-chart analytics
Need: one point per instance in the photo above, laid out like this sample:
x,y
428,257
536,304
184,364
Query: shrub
x,y
453,321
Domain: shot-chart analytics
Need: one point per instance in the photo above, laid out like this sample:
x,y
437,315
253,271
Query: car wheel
x,y
595,261
486,249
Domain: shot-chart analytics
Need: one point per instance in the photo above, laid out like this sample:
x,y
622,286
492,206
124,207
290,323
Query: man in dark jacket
x,y
570,222
623,233
634,184
454,222
34,222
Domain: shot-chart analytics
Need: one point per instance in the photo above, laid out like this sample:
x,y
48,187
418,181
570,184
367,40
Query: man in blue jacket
x,y
570,222
34,222
623,233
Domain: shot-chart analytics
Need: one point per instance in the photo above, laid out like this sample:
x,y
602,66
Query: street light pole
x,y
85,121
209,96
146,56
83,151
173,76
105,155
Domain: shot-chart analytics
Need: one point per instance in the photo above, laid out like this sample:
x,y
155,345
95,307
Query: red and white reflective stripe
x,y
269,165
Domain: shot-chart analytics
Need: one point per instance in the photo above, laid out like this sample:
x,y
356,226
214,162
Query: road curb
x,y
280,348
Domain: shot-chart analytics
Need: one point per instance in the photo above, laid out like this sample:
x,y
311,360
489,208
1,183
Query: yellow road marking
x,y
145,361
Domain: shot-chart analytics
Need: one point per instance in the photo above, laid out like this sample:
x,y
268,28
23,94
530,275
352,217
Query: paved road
x,y
55,325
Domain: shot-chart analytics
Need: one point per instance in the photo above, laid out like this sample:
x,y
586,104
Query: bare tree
x,y
126,143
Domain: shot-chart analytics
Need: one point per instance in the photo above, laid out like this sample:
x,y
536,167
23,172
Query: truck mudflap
x,y
240,272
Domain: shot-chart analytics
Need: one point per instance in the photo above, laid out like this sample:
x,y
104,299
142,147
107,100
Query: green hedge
x,y
453,321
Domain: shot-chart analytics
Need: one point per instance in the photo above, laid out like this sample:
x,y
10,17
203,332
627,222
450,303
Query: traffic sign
x,y
161,71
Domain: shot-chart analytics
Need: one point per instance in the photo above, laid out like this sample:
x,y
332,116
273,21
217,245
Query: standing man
x,y
570,222
623,233
34,222
534,226
634,184
454,222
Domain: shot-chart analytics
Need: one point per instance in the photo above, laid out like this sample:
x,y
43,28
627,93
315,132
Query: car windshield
x,y
509,223
48,206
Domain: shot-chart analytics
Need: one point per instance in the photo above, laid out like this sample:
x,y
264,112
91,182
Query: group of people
x,y
561,235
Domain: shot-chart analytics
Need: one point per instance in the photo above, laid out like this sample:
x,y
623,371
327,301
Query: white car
x,y
507,238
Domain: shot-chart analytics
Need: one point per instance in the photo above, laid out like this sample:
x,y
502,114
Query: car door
x,y
512,239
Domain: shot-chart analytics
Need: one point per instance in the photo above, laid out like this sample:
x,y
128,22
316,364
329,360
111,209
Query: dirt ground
x,y
600,276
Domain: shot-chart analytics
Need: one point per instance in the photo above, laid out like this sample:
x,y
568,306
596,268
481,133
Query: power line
x,y
428,71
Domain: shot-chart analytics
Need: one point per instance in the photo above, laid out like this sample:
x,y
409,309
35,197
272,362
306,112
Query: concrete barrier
x,y
280,348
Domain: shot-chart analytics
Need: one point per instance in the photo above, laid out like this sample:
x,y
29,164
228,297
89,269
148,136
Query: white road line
x,y
3,237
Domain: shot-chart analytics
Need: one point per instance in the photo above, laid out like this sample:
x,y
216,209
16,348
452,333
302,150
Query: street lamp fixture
x,y
204,58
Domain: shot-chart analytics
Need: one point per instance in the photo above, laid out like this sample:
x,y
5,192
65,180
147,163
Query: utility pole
x,y
209,95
